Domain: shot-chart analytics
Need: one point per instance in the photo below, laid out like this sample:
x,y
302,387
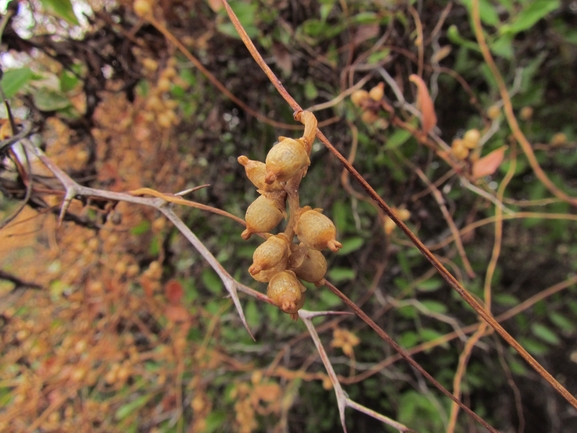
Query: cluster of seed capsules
x,y
279,261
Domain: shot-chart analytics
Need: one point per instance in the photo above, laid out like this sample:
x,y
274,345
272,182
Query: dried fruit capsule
x,y
313,268
369,116
256,172
459,150
377,92
262,216
316,230
359,96
287,292
285,160
471,138
270,256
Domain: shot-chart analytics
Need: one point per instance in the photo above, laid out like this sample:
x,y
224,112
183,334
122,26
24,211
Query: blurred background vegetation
x,y
113,322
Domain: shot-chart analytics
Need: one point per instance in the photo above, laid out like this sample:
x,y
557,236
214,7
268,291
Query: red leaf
x,y
487,165
425,103
173,291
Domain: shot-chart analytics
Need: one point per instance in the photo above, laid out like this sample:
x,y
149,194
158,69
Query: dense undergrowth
x,y
113,322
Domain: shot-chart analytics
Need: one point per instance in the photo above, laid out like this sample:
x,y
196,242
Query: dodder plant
x,y
278,261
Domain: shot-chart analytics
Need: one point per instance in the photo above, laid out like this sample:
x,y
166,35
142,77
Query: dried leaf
x,y
487,165
425,104
215,5
364,33
176,313
283,59
173,291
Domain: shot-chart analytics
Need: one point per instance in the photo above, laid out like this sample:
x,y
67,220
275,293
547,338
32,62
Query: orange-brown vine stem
x,y
402,352
453,282
508,107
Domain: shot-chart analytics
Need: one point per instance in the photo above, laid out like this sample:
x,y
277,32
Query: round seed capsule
x,y
359,96
316,230
377,92
262,216
285,160
471,138
287,292
313,268
270,256
256,172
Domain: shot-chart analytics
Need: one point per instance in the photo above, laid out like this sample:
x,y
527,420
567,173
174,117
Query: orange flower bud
x,y
285,160
316,230
287,292
262,216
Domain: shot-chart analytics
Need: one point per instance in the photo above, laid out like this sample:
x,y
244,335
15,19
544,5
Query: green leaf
x,y
211,281
141,228
533,347
365,18
339,275
329,299
562,322
62,9
399,137
430,285
14,79
506,299
544,333
214,421
326,7
487,11
430,335
246,13
229,30
529,16
434,306
503,46
311,91
350,245
68,81
131,407
456,38
49,100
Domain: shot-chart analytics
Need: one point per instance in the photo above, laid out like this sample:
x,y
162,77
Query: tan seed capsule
x,y
256,172
316,230
359,96
287,292
313,268
389,225
471,138
369,116
377,92
262,216
270,256
459,150
285,160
